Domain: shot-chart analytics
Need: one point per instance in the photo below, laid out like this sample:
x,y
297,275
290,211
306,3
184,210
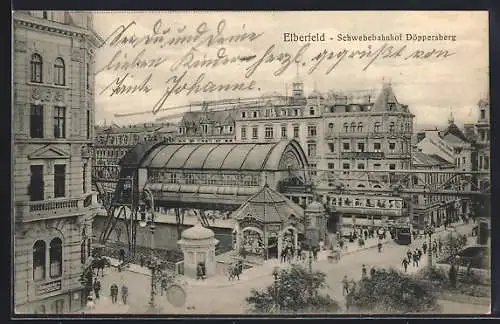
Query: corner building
x,y
53,122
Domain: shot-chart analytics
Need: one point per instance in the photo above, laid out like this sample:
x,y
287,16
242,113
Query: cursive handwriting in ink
x,y
120,87
165,35
372,55
284,58
119,61
176,85
192,60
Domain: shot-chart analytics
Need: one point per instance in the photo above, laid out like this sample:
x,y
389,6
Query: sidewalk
x,y
105,306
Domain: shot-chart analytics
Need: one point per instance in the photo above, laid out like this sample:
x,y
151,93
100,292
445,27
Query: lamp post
x,y
153,264
429,230
276,290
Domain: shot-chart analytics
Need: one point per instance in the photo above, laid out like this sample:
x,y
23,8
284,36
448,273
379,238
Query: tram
x,y
401,234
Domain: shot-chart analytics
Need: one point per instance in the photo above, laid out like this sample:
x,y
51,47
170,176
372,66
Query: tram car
x,y
401,234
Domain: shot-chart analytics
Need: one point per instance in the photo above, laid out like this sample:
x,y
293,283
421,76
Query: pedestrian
x,y
415,259
124,294
409,254
315,253
419,252
363,271
97,288
114,293
424,247
379,246
372,272
405,264
366,235
345,286
122,255
352,285
90,302
440,246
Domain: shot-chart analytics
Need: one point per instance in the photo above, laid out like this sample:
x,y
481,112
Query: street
x,y
218,296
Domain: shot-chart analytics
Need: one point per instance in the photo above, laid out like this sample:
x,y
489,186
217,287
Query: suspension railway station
x,y
265,190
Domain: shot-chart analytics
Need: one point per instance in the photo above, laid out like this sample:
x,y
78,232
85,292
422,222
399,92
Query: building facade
x,y
483,144
112,142
53,122
207,126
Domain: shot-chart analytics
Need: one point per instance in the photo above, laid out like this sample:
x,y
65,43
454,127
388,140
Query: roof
x,y
386,99
441,161
454,130
268,206
423,159
216,116
210,156
197,232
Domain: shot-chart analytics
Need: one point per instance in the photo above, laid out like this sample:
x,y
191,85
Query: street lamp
x,y
429,230
152,226
276,290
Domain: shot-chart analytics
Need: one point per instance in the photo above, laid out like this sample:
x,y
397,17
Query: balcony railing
x,y
362,155
28,211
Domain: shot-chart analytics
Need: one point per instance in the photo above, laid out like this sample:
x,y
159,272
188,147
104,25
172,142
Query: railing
x,y
362,155
28,211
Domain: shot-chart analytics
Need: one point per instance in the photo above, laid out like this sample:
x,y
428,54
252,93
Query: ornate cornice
x,y
44,25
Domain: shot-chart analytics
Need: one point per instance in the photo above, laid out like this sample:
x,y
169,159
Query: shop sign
x,y
250,222
48,287
273,227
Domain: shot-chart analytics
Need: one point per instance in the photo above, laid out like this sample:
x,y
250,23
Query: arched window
x,y
59,72
39,249
360,127
353,127
346,127
36,68
55,258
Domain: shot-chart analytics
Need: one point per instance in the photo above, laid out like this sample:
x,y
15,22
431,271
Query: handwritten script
x,y
182,60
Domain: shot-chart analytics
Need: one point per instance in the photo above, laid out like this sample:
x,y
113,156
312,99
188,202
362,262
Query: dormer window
x,y
483,114
391,107
311,111
391,127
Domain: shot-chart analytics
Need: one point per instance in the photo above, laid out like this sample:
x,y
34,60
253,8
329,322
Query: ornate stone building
x,y
53,122
207,126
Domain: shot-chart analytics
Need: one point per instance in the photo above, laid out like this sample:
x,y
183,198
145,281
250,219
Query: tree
x,y
295,290
390,291
453,244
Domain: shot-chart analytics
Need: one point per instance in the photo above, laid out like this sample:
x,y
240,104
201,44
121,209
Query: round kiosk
x,y
198,246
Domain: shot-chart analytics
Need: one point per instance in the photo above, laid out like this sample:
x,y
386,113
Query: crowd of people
x,y
113,293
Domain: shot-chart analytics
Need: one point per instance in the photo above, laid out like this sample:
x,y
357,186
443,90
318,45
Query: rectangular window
x,y
331,165
311,131
346,167
88,76
59,122
36,186
243,132
361,166
296,131
483,114
376,166
361,147
255,133
295,112
331,146
392,146
311,149
269,132
88,124
392,166
84,176
59,180
486,162
313,167
36,121
283,132
255,114
376,147
346,146
243,114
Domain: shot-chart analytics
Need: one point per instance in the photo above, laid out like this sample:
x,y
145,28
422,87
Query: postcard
x,y
242,163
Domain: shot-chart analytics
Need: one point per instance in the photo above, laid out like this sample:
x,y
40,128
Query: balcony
x,y
29,211
362,155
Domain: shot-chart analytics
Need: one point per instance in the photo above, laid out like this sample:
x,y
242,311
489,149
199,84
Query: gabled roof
x,y
220,117
269,206
454,130
387,101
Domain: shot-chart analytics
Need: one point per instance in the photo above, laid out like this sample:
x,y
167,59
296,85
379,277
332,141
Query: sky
x,y
431,87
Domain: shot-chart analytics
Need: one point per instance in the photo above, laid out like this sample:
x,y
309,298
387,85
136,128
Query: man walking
x,y
124,294
114,293
405,264
97,288
424,247
379,246
345,286
363,272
